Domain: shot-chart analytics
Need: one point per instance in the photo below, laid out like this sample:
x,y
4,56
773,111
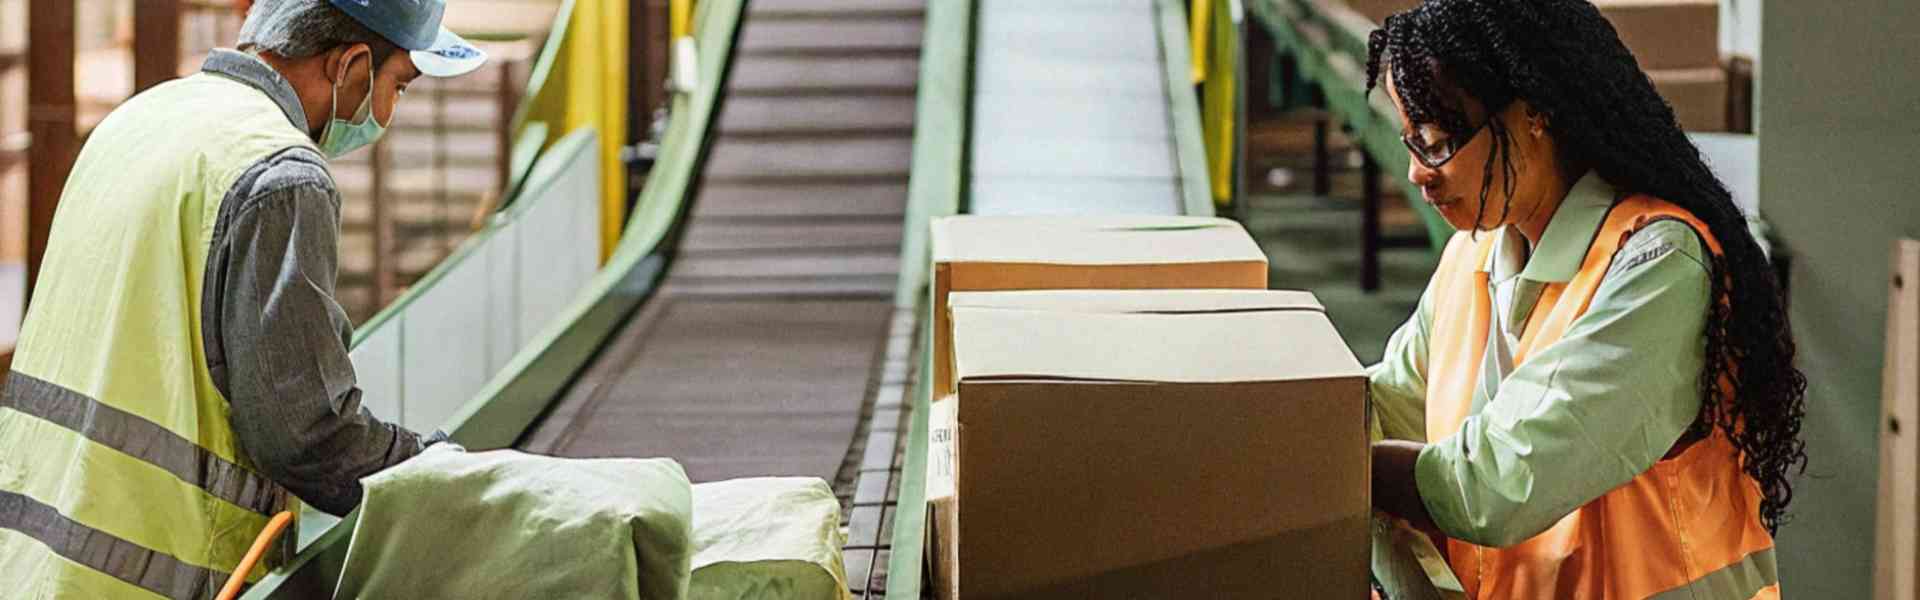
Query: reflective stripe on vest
x,y
127,481
1689,527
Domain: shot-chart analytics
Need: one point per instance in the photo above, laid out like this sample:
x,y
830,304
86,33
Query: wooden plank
x,y
1897,557
156,42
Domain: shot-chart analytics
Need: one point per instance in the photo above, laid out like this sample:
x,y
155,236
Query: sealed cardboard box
x,y
1662,34
1152,444
976,253
1378,10
1698,96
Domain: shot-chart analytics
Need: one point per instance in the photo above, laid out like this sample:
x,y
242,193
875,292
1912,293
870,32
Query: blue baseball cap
x,y
415,26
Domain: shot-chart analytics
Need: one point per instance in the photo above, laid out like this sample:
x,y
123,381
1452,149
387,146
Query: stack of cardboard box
x,y
1676,41
1110,433
1678,45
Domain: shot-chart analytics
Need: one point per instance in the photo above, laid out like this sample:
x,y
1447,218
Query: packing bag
x,y
769,538
505,524
1408,566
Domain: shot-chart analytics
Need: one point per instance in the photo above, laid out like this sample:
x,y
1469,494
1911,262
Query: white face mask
x,y
342,137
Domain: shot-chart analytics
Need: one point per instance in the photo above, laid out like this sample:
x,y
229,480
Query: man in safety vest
x,y
182,373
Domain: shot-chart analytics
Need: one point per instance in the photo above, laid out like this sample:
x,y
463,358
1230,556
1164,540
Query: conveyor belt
x,y
760,352
1071,110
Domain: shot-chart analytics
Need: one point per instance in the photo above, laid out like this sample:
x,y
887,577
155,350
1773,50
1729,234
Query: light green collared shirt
x,y
1579,417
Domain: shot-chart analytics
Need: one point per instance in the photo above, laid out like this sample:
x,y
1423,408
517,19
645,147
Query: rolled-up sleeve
x,y
1587,413
295,404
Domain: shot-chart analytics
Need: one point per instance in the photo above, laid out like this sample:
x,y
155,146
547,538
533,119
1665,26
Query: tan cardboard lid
x,y
1285,343
1139,301
1091,240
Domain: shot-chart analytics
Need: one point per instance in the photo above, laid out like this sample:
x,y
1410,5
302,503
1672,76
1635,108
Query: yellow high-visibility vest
x,y
121,477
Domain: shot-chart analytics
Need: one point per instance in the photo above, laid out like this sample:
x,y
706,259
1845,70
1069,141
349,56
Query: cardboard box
x,y
1378,10
1667,34
1698,96
943,501
975,253
1153,444
1662,34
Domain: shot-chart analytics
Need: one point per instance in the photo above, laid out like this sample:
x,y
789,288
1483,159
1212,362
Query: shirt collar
x,y
1563,246
249,69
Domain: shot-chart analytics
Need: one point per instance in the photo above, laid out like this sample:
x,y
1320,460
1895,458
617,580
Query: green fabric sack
x,y
773,538
505,524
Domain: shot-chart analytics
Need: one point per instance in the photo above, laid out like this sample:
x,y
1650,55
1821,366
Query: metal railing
x,y
412,198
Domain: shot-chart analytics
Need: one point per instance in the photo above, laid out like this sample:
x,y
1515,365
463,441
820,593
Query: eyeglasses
x,y
1436,154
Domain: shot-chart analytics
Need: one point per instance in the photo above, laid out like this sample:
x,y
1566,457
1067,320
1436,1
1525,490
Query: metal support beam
x,y
51,118
639,101
156,42
656,41
1322,167
1289,74
505,97
1369,224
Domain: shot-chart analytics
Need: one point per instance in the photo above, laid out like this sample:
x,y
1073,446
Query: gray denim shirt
x,y
276,339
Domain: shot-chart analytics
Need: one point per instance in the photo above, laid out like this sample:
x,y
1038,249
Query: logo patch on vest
x,y
1641,257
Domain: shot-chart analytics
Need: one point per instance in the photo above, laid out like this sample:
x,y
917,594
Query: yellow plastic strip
x,y
680,14
1199,24
613,122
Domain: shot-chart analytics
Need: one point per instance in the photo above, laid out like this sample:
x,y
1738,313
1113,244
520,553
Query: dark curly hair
x,y
1566,61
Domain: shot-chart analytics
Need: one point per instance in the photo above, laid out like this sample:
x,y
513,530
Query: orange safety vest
x,y
1691,523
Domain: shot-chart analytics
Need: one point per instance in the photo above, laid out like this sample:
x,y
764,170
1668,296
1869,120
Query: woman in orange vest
x,y
1596,397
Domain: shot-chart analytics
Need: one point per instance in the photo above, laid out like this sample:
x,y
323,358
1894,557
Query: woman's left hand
x,y
1394,488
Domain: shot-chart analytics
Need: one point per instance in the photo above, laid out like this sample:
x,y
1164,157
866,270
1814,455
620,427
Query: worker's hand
x,y
443,442
1394,488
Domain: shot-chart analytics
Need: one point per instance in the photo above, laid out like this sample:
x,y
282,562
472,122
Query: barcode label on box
x,y
943,430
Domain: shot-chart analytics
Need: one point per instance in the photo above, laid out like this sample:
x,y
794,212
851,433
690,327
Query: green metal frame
x,y
531,137
500,413
937,188
1190,148
541,174
1329,42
